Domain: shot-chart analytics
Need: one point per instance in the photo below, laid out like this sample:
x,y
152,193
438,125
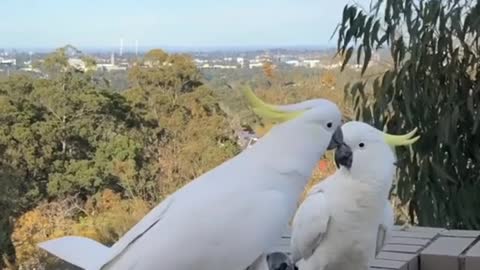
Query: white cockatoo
x,y
231,215
337,225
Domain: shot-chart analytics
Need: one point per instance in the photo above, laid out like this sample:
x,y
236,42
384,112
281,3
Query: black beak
x,y
343,156
337,139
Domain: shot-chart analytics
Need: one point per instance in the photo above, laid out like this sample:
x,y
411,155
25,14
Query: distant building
x,y
254,63
241,62
111,66
225,66
330,66
31,69
200,61
311,63
294,63
264,58
8,61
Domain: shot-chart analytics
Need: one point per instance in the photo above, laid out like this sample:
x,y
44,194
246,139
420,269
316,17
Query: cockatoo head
x,y
367,153
321,115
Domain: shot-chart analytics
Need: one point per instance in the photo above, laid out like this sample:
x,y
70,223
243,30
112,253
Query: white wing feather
x,y
236,234
310,225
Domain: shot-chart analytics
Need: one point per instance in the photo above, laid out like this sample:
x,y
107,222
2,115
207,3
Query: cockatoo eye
x,y
361,145
329,124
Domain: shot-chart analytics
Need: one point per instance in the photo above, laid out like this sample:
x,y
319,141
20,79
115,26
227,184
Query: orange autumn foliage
x,y
268,69
103,218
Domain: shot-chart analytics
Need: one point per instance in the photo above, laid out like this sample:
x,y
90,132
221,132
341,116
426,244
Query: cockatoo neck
x,y
379,184
293,149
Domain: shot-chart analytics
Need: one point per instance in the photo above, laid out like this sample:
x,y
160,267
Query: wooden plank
x,y
443,253
410,259
394,256
387,264
472,257
408,241
415,234
447,246
418,229
461,233
402,248
417,237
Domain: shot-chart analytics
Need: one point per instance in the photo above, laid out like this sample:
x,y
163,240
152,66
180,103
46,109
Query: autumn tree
x,y
54,63
78,158
66,136
103,217
268,69
198,136
173,74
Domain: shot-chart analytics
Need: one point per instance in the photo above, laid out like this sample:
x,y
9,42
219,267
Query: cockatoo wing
x,y
310,225
210,236
385,227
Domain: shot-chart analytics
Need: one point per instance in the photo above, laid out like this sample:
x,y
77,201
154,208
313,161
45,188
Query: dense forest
x,y
79,158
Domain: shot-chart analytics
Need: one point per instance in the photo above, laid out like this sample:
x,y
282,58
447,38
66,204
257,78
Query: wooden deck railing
x,y
423,248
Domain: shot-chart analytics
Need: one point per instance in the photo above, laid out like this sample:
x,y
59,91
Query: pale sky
x,y
187,23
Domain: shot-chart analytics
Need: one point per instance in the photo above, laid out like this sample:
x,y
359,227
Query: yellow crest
x,y
266,110
397,140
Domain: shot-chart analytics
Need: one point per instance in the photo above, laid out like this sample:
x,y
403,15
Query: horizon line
x,y
189,48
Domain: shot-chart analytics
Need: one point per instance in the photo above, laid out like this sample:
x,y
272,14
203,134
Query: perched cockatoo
x,y
231,215
337,225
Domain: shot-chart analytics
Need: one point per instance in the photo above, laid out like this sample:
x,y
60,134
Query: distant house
x,y
311,63
241,61
225,66
200,61
330,66
8,62
110,66
31,69
294,63
255,63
